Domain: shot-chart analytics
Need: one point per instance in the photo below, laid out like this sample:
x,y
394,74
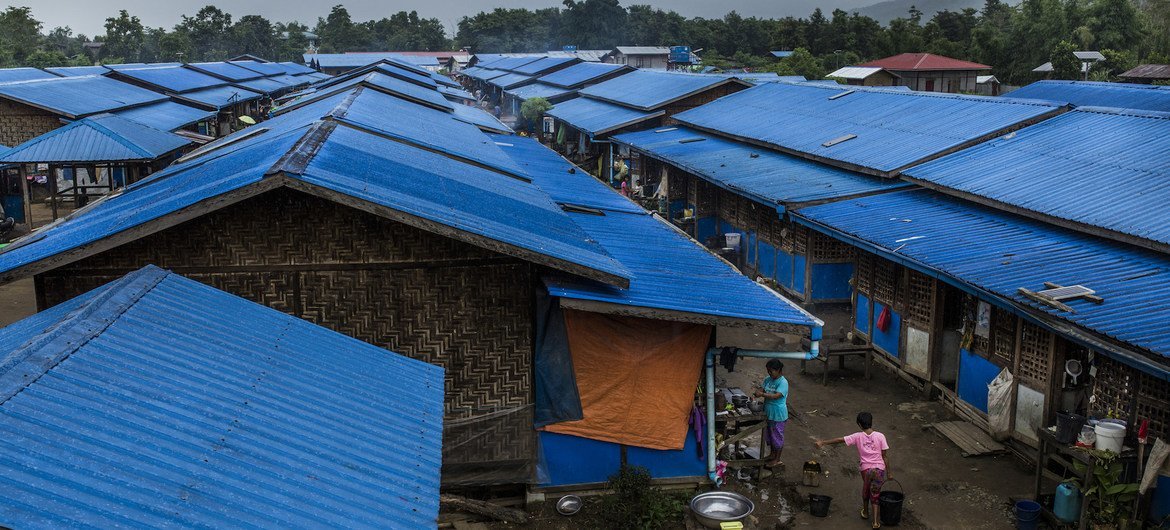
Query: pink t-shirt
x,y
869,448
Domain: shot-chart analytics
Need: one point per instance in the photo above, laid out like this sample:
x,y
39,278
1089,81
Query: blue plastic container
x,y
1066,505
1027,515
1160,503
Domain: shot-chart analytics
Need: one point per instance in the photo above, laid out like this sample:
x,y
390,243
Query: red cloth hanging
x,y
883,320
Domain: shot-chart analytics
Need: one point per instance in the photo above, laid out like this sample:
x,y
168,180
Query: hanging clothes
x,y
727,358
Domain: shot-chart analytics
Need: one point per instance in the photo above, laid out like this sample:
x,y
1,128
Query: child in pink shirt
x,y
871,448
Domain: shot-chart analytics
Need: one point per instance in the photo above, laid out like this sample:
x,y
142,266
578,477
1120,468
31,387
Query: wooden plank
x,y
743,433
970,439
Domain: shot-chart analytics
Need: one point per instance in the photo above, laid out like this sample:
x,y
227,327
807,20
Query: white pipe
x,y
813,353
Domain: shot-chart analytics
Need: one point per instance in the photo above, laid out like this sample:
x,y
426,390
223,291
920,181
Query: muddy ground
x,y
943,489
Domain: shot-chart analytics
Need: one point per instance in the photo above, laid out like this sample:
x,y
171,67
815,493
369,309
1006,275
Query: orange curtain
x,y
636,377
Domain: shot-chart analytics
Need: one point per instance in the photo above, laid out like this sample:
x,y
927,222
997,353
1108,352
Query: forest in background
x,y
1012,39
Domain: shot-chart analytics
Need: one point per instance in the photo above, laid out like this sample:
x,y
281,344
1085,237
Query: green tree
x,y
124,37
407,31
46,59
207,34
338,33
20,35
253,34
1114,24
594,24
1065,65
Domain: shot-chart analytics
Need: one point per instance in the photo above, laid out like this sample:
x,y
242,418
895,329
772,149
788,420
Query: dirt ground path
x,y
943,489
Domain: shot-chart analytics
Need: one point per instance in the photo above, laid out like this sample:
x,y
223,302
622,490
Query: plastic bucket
x,y
1109,436
1027,515
1068,426
890,505
818,505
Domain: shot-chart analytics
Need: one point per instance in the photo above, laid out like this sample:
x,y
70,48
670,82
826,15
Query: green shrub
x,y
636,504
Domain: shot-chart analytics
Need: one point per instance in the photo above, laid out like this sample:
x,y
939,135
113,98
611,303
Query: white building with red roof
x,y
932,73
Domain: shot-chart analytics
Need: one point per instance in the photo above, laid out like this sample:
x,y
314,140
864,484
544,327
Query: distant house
x,y
1147,73
932,73
1087,58
864,76
654,57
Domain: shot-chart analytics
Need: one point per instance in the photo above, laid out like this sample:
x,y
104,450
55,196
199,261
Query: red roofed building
x,y
932,73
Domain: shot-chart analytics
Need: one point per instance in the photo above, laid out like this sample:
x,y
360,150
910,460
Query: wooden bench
x,y
840,350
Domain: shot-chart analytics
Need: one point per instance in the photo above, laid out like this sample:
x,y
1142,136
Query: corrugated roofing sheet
x,y
292,81
457,93
317,76
99,138
766,176
487,74
171,78
507,81
512,63
1106,168
75,71
225,70
857,127
444,80
355,60
295,68
1097,94
672,272
855,72
480,118
598,117
559,178
401,73
579,74
166,115
540,90
267,69
76,97
650,89
8,75
264,85
1000,252
220,97
168,414
393,85
427,185
536,68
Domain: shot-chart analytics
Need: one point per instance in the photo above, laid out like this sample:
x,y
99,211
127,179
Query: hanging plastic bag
x,y
999,406
883,320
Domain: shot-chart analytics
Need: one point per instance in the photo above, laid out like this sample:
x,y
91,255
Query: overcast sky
x,y
88,16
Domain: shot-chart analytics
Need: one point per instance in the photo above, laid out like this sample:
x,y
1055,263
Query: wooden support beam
x,y
1046,300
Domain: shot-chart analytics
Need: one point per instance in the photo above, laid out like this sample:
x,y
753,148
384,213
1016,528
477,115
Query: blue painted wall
x,y
751,250
784,268
861,314
830,281
704,228
668,464
576,460
676,208
975,373
798,270
767,260
890,339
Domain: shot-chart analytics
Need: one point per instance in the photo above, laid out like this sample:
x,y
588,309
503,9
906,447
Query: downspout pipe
x,y
813,353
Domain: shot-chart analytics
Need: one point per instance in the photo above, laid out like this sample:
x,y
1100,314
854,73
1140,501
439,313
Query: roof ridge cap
x,y
93,122
297,158
44,351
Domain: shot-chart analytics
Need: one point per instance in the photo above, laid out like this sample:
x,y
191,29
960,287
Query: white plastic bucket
x,y
1109,436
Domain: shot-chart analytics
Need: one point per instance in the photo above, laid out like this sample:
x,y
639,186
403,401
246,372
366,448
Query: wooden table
x,y
828,351
746,425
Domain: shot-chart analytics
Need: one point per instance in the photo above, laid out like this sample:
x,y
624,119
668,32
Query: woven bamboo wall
x,y
423,295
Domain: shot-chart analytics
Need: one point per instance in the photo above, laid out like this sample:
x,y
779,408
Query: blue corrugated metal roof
x,y
512,63
8,75
559,178
225,70
672,272
75,71
295,68
167,115
764,77
291,80
100,138
430,186
220,97
543,65
579,74
171,78
355,60
317,76
401,73
880,131
598,117
157,401
480,118
510,80
1106,168
393,85
1098,94
267,69
540,90
444,80
76,97
999,253
486,74
263,85
763,175
651,89
457,93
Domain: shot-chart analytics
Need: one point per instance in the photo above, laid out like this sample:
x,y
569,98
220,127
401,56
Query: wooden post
x,y
24,190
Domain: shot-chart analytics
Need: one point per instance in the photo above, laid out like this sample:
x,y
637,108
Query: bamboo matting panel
x,y
1003,335
1036,355
1114,388
707,197
920,299
725,206
676,185
863,274
885,281
826,249
1153,403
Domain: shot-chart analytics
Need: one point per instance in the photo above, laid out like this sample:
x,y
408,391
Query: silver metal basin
x,y
569,505
716,507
